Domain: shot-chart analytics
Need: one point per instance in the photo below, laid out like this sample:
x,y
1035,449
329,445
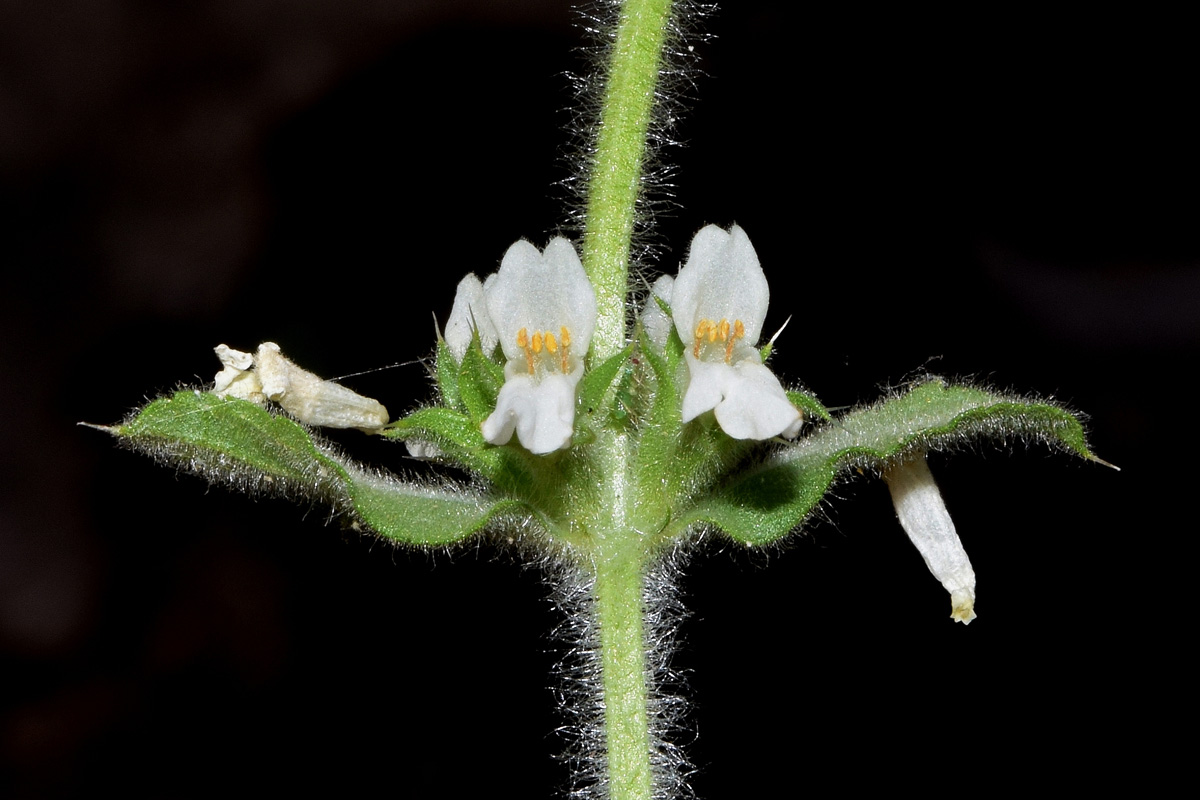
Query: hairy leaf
x,y
243,445
765,502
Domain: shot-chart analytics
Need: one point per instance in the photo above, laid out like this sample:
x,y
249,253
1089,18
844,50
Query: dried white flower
x,y
268,375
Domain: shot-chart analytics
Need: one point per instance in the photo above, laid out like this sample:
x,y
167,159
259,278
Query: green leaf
x,y
242,445
765,502
412,514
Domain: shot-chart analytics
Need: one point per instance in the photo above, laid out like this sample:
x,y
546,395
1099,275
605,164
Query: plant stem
x,y
617,166
620,561
618,605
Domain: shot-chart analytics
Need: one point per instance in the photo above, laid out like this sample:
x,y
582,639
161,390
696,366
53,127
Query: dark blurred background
x,y
1001,195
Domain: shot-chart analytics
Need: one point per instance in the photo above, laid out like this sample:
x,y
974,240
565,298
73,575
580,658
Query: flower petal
x,y
722,279
747,399
924,517
541,412
656,323
756,407
470,314
542,292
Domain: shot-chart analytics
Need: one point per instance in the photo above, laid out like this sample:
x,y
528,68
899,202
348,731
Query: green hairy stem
x,y
618,604
616,177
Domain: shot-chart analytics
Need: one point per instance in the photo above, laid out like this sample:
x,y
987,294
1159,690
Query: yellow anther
x,y
551,343
724,330
523,343
739,330
565,336
537,341
701,330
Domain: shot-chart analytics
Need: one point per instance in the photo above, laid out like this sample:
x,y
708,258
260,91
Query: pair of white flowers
x,y
541,309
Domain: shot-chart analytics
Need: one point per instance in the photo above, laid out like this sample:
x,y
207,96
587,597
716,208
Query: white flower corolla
x,y
925,519
544,311
719,302
470,314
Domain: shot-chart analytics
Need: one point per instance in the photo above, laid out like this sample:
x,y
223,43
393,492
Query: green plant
x,y
602,428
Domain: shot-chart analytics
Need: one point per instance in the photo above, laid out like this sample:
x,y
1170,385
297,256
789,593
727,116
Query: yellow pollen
x,y
739,330
537,341
724,329
565,336
551,343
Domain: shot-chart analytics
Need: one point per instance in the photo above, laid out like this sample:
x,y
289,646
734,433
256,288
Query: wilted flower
x,y
269,375
925,519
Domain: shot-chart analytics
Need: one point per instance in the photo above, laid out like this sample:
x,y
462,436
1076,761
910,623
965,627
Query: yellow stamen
x,y
565,336
537,341
701,330
724,330
551,343
523,343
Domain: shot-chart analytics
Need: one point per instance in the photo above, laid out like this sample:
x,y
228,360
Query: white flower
x,y
925,519
470,314
719,302
544,311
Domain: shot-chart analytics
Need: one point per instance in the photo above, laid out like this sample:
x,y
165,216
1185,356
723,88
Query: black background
x,y
1002,195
